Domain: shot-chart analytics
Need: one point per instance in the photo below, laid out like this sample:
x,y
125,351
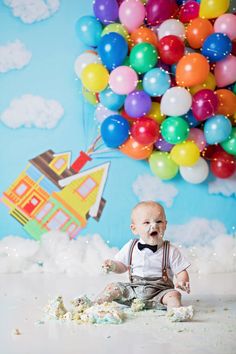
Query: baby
x,y
151,263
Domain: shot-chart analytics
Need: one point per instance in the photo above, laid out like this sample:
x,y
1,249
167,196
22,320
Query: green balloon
x,y
234,88
118,28
162,165
143,57
229,145
174,130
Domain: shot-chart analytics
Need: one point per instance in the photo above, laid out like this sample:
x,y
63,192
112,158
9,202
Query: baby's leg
x,y
175,311
172,299
111,292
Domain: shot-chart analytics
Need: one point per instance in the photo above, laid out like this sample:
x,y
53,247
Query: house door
x,y
32,204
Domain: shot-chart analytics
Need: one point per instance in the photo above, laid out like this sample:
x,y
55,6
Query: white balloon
x,y
83,60
173,27
101,113
176,101
197,173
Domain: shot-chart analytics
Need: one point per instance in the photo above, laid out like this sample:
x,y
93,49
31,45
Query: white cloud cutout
x,y
30,11
32,111
13,56
148,187
227,186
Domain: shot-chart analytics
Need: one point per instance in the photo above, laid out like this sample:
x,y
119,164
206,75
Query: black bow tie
x,y
141,246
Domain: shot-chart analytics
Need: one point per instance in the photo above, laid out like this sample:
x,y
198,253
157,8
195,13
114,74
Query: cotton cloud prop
x,y
55,253
33,10
148,187
227,187
197,231
14,56
32,111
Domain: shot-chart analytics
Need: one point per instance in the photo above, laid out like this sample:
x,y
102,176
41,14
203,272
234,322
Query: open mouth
x,y
153,233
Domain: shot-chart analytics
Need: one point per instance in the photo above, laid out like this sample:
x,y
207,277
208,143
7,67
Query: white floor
x,y
23,296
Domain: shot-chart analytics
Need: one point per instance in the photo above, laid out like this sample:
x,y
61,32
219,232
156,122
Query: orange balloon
x,y
192,69
227,102
197,31
135,150
143,34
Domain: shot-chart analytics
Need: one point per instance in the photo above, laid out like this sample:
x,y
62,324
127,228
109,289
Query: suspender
x,y
165,259
134,241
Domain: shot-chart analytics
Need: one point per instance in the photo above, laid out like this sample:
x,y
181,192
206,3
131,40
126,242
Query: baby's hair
x,y
150,203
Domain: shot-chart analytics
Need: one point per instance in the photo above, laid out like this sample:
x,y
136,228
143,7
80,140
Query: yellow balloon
x,y
95,77
155,113
213,8
210,84
185,154
89,96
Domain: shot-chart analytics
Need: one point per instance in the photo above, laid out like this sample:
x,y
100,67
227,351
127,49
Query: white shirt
x,y
146,263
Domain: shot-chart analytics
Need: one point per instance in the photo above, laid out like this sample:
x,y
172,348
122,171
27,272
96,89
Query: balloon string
x,y
91,149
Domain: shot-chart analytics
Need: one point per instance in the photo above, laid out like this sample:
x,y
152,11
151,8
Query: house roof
x,y
95,208
42,161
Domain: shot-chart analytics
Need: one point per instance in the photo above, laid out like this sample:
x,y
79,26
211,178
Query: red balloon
x,y
145,131
223,165
171,49
205,104
160,10
189,11
210,150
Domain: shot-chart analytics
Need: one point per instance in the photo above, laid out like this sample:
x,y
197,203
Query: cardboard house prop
x,y
49,194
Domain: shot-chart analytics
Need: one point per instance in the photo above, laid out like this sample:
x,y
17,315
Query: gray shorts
x,y
149,290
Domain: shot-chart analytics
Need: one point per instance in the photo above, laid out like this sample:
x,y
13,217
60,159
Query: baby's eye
x,y
159,221
146,222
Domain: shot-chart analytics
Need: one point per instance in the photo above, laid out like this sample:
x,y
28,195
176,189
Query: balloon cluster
x,y
162,74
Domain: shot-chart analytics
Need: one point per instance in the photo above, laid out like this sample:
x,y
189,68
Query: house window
x,y
57,221
20,190
71,228
59,163
44,211
86,187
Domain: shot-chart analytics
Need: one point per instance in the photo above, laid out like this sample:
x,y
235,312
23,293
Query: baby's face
x,y
149,222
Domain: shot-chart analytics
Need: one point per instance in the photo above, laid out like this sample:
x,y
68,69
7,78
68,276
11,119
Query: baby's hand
x,y
182,285
108,266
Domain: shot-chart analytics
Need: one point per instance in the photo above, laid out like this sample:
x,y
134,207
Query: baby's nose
x,y
153,225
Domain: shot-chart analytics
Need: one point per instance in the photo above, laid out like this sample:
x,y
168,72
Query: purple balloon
x,y
106,11
204,105
160,10
163,145
137,104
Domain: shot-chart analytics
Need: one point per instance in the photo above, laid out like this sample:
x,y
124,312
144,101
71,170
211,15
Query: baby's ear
x,y
133,229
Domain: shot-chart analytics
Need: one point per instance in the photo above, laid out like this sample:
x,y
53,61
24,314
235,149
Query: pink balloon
x,y
160,10
132,14
197,136
123,80
189,11
204,104
226,24
225,71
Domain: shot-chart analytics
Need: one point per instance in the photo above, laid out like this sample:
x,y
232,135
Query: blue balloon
x,y
217,46
113,50
111,100
115,130
107,11
156,82
89,30
217,129
173,69
189,117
